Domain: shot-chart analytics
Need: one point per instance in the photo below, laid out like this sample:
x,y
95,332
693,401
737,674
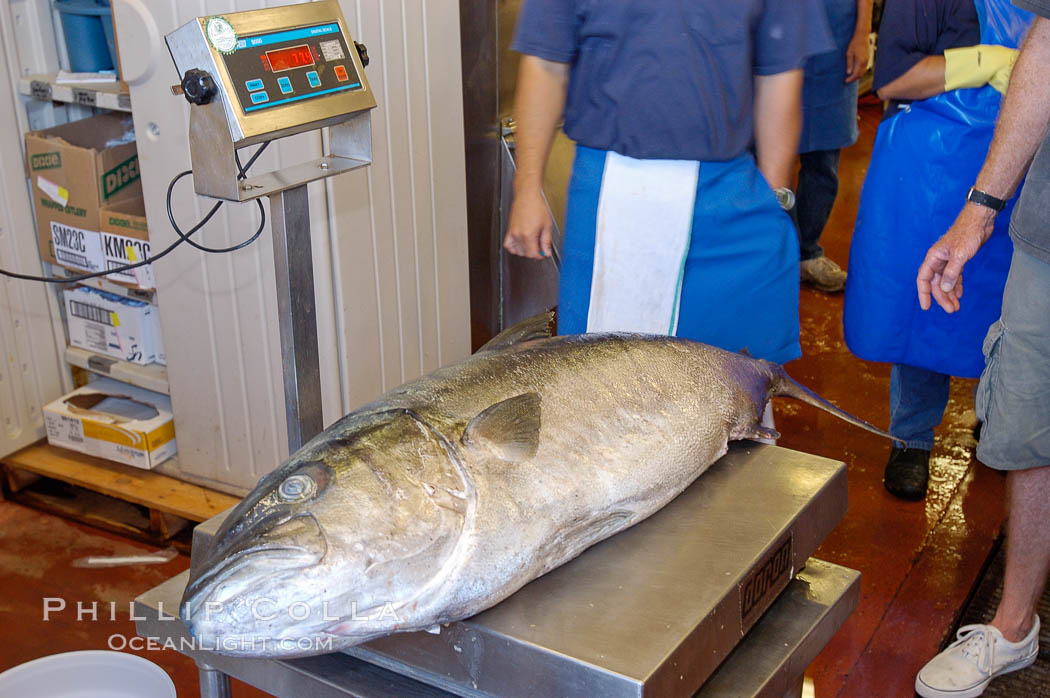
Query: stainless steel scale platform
x,y
655,610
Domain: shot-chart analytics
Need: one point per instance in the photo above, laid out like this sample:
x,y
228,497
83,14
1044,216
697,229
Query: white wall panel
x,y
31,371
389,242
31,37
400,229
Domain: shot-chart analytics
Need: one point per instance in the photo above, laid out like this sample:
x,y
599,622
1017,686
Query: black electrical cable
x,y
183,237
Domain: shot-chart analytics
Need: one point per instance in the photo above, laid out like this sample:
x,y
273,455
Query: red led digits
x,y
288,58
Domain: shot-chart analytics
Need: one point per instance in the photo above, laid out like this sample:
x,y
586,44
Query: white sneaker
x,y
970,663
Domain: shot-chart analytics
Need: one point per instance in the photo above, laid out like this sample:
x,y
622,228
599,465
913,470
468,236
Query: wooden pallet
x,y
139,503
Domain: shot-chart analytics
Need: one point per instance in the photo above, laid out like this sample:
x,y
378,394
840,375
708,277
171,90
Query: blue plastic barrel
x,y
89,35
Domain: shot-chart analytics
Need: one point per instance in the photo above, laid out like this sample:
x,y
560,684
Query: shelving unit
x,y
151,376
112,96
104,284
101,95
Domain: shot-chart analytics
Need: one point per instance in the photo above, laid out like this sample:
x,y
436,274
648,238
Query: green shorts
x,y
1013,397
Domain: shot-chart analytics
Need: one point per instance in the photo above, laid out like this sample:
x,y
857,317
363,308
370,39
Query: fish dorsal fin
x,y
535,327
509,429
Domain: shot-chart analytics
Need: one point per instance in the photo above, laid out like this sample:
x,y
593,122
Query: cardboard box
x,y
125,240
74,169
113,420
112,325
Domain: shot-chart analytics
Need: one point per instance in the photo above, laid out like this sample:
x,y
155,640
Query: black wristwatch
x,y
976,196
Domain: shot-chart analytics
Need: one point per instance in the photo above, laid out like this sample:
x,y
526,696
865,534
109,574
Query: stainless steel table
x,y
655,610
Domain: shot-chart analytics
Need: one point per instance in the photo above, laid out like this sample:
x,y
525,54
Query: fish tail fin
x,y
781,384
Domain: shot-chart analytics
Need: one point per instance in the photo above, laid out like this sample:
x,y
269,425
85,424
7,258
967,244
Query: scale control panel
x,y
281,67
275,71
260,75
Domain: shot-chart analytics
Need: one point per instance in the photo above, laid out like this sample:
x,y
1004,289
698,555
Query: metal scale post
x,y
290,225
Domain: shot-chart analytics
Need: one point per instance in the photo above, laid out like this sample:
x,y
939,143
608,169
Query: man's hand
x,y
530,225
941,272
858,55
538,106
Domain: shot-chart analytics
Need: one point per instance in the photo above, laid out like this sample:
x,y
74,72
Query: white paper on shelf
x,y
65,77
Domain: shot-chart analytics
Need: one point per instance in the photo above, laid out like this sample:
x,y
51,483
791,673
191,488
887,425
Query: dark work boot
x,y
907,473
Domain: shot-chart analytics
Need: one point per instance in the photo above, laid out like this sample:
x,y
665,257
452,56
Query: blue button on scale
x,y
254,85
285,84
314,80
259,97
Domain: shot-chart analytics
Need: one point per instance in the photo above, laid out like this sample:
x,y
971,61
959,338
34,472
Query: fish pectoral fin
x,y
536,327
510,429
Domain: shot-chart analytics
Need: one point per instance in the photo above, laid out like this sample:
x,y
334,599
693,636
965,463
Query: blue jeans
x,y
918,398
818,185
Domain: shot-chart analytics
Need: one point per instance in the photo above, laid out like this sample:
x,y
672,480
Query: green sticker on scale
x,y
221,34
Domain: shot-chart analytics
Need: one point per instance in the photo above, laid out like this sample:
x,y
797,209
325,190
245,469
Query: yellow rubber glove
x,y
974,66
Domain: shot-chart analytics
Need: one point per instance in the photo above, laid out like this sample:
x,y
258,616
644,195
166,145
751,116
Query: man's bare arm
x,y
1023,120
538,107
778,125
924,79
1022,124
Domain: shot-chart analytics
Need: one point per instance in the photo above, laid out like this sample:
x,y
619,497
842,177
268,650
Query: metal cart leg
x,y
214,683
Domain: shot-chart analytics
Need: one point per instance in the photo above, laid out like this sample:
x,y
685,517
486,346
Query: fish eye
x,y
296,487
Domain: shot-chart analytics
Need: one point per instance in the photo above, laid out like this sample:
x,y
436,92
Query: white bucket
x,y
87,674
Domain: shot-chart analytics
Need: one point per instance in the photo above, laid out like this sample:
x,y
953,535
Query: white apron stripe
x,y
645,218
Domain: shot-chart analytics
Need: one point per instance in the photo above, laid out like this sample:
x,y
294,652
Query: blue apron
x,y
829,105
924,160
706,254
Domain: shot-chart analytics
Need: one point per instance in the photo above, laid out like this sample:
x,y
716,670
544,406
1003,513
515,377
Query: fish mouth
x,y
226,560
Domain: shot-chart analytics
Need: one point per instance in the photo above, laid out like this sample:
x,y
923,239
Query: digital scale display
x,y
290,65
288,58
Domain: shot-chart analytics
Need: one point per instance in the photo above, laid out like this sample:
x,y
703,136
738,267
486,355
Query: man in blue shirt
x,y
672,224
913,37
926,47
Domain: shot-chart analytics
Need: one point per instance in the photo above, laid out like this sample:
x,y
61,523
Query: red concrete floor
x,y
918,560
